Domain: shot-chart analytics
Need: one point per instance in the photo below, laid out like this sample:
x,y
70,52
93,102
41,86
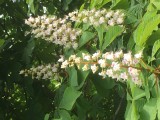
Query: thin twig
x,y
119,106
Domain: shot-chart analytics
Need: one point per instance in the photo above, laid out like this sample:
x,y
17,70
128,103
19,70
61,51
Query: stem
x,y
119,106
123,66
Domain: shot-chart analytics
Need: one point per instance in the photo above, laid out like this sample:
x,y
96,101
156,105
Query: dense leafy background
x,y
82,95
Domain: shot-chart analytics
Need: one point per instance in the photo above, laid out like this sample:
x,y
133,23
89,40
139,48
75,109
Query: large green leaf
x,y
103,3
95,2
149,110
103,85
156,47
153,38
100,30
120,4
128,111
136,92
130,44
134,113
157,4
64,115
86,37
111,34
82,105
69,98
72,76
131,111
145,28
82,76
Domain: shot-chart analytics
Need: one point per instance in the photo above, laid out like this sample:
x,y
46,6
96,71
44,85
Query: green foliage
x,y
111,34
155,48
86,37
149,110
69,98
145,28
78,95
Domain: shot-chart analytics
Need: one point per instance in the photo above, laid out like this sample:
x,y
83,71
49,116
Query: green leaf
x,y
100,29
111,34
95,3
151,81
82,105
103,3
149,110
103,85
157,4
131,18
134,112
158,107
145,28
130,44
69,98
128,111
120,4
153,38
28,51
156,47
131,111
72,76
46,117
137,93
31,5
85,26
64,115
82,76
1,42
86,37
66,4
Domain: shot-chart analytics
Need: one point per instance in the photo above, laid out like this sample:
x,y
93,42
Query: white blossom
x,y
111,22
109,72
86,56
108,55
96,55
103,74
127,58
61,59
124,76
111,64
102,63
115,66
41,72
94,68
138,55
65,64
85,68
118,54
120,20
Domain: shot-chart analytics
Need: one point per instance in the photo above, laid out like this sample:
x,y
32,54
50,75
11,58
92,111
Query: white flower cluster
x,y
117,65
42,72
98,17
54,30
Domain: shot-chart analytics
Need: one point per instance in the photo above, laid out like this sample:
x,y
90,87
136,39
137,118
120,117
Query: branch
x,y
119,106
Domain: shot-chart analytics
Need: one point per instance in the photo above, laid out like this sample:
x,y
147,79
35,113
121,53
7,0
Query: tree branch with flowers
x,y
102,30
